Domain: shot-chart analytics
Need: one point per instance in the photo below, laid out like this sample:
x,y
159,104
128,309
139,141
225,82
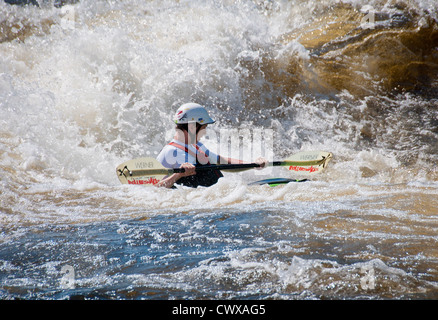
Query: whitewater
x,y
88,85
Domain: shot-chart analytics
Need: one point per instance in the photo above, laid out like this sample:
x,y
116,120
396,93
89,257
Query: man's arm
x,y
169,181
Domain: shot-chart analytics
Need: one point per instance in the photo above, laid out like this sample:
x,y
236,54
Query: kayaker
x,y
186,151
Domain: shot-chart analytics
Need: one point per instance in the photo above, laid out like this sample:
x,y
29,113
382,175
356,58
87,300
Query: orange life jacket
x,y
204,178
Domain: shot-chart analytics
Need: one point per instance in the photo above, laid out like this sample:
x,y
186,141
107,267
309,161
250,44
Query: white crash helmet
x,y
192,112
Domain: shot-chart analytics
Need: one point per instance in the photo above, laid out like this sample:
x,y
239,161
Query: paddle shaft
x,y
221,167
253,165
167,171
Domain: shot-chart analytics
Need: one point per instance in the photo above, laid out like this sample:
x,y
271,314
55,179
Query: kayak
x,y
272,182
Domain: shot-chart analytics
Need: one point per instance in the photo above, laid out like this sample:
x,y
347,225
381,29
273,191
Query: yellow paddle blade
x,y
307,162
141,171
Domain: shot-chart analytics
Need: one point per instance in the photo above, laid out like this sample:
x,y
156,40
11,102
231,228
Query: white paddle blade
x,y
141,171
308,162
